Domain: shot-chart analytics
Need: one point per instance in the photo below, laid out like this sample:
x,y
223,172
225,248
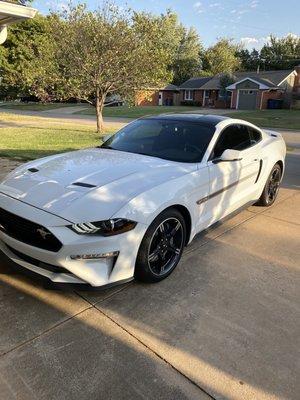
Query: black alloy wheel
x,y
271,188
273,185
161,247
165,246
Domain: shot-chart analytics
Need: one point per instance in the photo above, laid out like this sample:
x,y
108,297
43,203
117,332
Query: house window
x,y
188,95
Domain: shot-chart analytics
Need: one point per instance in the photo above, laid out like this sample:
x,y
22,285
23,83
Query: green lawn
x,y
138,111
34,106
285,119
27,138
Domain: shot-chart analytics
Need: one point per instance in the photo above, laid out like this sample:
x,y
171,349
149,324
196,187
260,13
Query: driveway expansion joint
x,y
20,345
142,343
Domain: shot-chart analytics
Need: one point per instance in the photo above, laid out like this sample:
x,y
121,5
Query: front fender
x,y
184,191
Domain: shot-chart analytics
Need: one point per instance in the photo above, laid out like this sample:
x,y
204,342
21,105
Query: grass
x,y
34,106
137,111
27,138
285,119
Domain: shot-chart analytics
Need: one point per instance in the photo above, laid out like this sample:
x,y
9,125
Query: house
x,y
11,13
265,89
191,92
251,90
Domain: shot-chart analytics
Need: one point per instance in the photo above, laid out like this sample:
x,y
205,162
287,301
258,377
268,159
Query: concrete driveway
x,y
224,325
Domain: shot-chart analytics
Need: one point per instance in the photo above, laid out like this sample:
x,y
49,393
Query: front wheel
x,y
271,188
161,247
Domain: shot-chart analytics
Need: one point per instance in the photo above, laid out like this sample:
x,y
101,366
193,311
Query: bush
x,y
191,103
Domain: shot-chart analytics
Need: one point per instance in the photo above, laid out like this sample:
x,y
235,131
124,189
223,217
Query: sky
x,y
250,22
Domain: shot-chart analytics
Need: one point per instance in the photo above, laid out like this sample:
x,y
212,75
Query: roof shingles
x,y
268,78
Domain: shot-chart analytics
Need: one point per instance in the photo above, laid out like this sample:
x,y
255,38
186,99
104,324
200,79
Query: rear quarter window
x,y
255,135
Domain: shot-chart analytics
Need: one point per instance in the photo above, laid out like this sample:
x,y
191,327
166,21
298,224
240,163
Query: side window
x,y
234,137
255,135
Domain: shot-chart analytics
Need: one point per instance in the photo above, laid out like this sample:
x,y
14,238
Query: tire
x,y
161,248
271,188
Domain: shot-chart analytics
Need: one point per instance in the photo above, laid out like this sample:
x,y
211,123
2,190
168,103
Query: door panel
x,y
232,182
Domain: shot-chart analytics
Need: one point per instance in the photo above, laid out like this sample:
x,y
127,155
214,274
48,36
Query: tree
x,y
109,51
27,64
187,62
250,61
221,57
281,53
225,80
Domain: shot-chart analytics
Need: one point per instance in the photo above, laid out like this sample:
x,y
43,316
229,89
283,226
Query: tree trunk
x,y
99,110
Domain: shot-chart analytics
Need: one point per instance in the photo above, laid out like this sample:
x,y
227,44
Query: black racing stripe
x,y
204,199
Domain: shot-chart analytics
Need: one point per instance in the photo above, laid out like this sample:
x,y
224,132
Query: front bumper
x,y
96,272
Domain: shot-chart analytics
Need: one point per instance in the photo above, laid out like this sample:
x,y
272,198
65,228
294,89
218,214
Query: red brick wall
x,y
198,96
269,95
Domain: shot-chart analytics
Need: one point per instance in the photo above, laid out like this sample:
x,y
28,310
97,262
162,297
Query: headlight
x,y
104,228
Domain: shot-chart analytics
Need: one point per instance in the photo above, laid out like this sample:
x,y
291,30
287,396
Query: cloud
x,y
198,7
212,5
254,4
254,42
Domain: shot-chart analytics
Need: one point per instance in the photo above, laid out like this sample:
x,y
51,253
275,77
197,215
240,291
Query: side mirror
x,y
106,137
229,155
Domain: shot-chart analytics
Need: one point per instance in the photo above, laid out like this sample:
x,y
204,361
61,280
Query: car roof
x,y
190,117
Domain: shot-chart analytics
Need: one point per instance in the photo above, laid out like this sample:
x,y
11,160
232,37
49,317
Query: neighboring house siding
x,y
247,85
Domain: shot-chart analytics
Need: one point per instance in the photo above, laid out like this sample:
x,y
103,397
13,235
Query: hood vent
x,y
33,170
82,184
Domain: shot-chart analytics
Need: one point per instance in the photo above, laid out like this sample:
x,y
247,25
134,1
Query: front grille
x,y
28,232
37,263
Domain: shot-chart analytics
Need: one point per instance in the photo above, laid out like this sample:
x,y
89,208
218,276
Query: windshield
x,y
181,141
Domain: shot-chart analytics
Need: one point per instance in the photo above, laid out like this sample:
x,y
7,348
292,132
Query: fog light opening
x,y
96,256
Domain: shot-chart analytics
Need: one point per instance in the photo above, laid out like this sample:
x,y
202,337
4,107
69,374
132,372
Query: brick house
x,y
191,91
254,90
251,90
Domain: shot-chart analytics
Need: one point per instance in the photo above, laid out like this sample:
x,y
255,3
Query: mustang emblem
x,y
43,233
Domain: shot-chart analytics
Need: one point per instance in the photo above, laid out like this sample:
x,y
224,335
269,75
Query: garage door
x,y
247,99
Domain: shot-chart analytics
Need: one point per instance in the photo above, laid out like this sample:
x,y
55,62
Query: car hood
x,y
88,184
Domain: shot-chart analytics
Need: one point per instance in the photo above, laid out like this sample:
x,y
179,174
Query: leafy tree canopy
x,y
221,57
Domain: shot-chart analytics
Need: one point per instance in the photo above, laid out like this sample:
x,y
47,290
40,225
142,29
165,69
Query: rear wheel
x,y
161,247
271,188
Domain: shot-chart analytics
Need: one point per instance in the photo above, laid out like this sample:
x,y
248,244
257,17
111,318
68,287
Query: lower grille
x,y
37,263
28,232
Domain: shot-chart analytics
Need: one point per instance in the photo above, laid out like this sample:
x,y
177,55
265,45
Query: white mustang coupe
x,y
128,208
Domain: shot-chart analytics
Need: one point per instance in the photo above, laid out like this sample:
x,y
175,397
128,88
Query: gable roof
x,y
270,79
170,87
195,83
